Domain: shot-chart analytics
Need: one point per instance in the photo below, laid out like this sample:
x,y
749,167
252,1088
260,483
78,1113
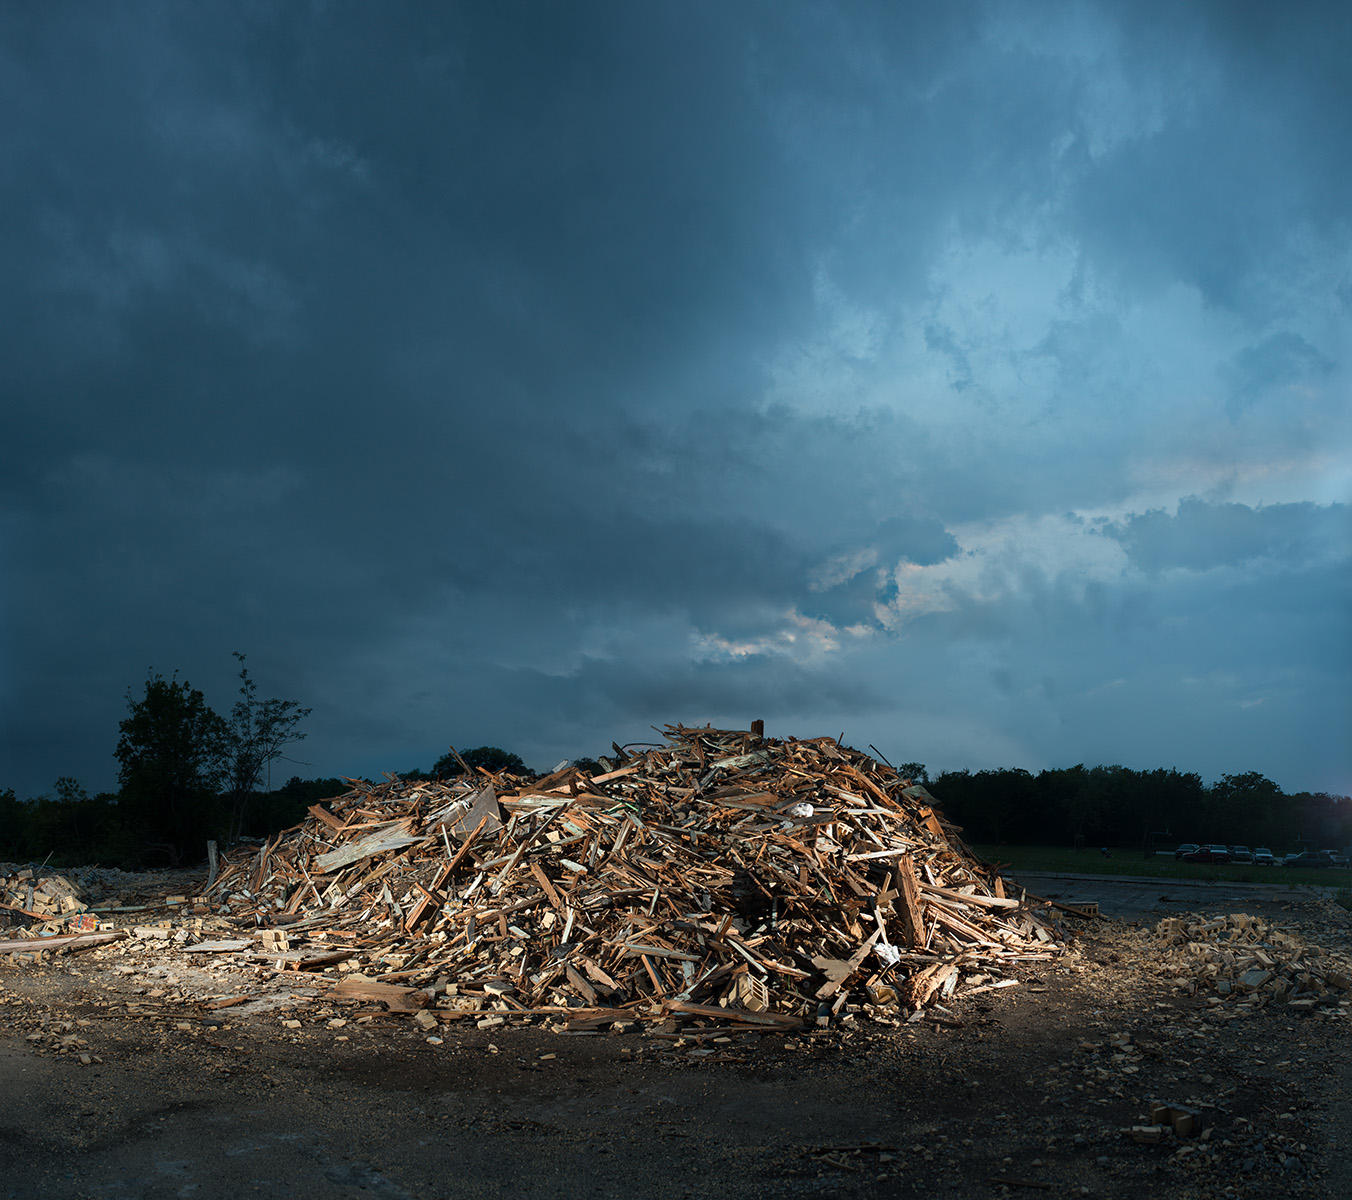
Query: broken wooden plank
x,y
397,998
61,941
907,903
378,842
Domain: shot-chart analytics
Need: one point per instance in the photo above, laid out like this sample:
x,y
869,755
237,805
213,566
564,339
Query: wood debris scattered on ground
x,y
720,879
1249,962
43,910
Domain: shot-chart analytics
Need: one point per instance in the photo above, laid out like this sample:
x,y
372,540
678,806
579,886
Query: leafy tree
x,y
70,790
491,758
171,752
1251,804
1069,799
914,771
254,736
996,806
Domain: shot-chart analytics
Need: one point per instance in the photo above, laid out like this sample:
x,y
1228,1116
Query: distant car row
x,y
1262,857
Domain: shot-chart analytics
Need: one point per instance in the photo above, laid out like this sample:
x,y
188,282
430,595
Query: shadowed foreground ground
x,y
1029,1095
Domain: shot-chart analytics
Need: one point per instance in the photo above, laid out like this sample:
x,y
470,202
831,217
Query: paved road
x,y
1137,897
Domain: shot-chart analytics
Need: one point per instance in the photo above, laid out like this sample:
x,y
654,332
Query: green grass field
x,y
1132,862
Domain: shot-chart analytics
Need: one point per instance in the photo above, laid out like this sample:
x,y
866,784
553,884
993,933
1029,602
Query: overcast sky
x,y
971,379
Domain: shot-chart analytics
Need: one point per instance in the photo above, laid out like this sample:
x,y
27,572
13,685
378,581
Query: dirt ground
x,y
1020,1091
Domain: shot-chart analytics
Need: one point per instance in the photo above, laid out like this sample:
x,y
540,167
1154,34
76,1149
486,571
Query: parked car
x,y
1336,859
1186,848
1214,853
1241,854
1308,858
1263,857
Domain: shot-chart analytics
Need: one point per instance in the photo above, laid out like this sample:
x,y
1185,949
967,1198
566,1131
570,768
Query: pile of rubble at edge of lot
x,y
1252,963
721,877
38,903
28,896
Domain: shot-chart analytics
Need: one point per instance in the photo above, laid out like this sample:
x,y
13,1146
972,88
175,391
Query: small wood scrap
x,y
1167,1121
1086,910
1248,963
723,878
1185,1122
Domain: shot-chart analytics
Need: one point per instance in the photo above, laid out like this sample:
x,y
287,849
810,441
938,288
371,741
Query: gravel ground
x,y
111,1090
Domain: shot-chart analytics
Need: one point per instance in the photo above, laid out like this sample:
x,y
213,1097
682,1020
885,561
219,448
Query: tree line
x,y
187,774
1120,807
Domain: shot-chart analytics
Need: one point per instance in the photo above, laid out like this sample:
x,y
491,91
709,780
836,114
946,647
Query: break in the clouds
x,y
972,381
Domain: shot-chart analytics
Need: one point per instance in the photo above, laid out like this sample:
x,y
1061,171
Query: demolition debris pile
x,y
1246,960
721,876
35,902
27,896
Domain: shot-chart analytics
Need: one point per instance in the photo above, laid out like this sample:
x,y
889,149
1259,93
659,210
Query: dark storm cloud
x,y
921,540
509,373
1279,362
1234,157
465,209
1203,535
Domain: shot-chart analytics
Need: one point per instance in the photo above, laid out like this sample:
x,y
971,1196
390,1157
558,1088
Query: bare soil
x,y
1029,1090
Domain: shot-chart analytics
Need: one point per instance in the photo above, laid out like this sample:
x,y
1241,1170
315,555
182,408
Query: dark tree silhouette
x,y
170,753
254,736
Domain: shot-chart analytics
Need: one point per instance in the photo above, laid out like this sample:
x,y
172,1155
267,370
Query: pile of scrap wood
x,y
720,877
27,896
1251,962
